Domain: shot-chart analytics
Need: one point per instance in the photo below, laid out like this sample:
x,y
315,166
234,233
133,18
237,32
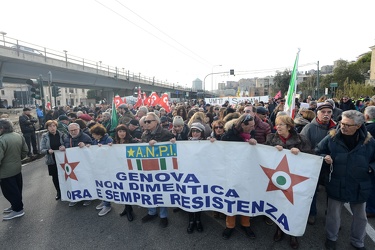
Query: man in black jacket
x,y
27,125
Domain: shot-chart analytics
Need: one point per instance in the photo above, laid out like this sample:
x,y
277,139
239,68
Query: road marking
x,y
369,229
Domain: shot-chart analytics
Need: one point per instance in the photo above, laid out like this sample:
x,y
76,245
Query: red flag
x,y
118,100
164,102
139,100
155,99
146,100
278,95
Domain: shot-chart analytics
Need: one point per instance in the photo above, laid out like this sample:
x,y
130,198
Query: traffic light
x,y
231,72
56,91
36,88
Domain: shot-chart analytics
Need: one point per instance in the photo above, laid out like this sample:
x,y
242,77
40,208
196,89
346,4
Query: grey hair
x,y
6,126
370,111
156,117
106,114
355,115
143,109
74,124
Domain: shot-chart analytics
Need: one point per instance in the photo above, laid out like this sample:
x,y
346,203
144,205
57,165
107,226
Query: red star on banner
x,y
283,172
69,167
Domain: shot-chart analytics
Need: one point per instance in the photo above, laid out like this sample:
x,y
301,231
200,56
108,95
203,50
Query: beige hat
x,y
177,120
198,125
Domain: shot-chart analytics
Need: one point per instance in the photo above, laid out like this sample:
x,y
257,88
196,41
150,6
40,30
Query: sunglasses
x,y
196,131
148,121
220,127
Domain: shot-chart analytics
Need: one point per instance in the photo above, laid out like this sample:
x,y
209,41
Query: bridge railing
x,y
82,63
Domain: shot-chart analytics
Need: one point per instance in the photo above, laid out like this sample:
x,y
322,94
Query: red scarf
x,y
331,123
285,139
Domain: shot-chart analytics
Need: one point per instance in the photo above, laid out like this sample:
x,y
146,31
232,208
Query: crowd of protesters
x,y
339,130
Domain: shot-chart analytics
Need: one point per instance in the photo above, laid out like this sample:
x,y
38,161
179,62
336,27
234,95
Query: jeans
x,y
12,191
107,203
163,212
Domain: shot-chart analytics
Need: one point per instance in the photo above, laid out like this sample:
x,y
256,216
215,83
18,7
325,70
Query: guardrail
x,y
101,68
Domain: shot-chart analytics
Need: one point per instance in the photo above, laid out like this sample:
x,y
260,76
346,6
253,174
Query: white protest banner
x,y
228,177
235,100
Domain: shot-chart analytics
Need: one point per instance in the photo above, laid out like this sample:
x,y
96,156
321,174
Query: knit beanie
x,y
178,121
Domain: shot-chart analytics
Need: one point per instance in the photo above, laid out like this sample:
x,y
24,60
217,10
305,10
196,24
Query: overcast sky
x,y
180,41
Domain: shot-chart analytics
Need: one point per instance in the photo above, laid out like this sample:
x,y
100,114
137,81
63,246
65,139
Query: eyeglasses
x,y
220,127
247,111
72,130
347,125
148,121
247,119
196,131
216,109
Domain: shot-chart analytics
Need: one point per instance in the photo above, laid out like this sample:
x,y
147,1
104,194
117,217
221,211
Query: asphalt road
x,y
51,224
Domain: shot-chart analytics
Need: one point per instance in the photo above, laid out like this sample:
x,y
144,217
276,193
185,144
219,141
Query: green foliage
x,y
355,90
281,81
350,78
308,87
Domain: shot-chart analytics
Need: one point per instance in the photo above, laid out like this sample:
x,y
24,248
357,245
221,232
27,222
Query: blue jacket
x,y
70,142
104,140
351,177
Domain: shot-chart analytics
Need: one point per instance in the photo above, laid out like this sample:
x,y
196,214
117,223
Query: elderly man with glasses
x,y
152,134
76,138
315,132
350,152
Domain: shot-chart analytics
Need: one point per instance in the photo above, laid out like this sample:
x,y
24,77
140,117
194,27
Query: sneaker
x,y
86,203
164,222
100,206
330,244
8,210
104,211
13,215
311,220
227,233
249,232
72,204
149,217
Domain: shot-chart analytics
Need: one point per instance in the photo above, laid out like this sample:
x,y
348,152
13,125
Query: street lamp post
x,y
3,33
212,76
66,57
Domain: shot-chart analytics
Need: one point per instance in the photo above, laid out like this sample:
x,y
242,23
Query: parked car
x,y
27,49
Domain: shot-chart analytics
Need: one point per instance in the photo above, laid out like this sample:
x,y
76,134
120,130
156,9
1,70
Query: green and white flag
x,y
290,104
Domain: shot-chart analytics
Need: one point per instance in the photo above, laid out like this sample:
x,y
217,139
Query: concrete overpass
x,y
20,61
